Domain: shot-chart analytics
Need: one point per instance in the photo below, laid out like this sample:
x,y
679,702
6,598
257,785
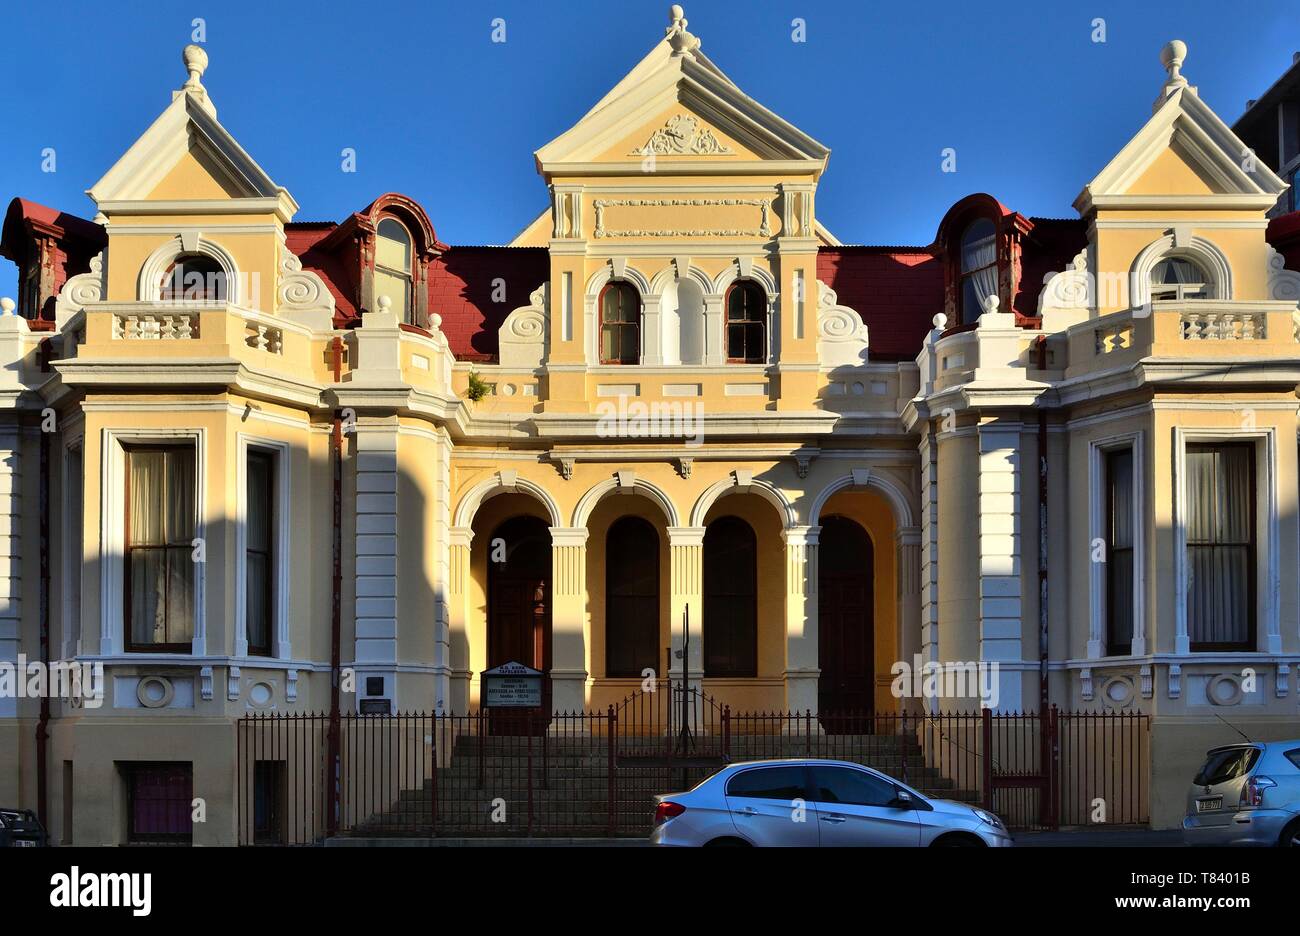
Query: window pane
x,y
146,486
257,590
978,246
1220,550
851,787
258,510
779,783
393,246
1119,474
397,288
180,496
180,595
148,600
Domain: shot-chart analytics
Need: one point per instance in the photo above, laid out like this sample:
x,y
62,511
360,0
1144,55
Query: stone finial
x,y
991,304
7,306
196,63
940,321
1171,59
681,41
385,304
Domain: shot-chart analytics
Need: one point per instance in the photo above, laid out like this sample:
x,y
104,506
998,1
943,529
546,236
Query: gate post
x,y
611,768
986,730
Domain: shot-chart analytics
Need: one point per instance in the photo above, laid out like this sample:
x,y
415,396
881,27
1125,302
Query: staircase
x,y
489,787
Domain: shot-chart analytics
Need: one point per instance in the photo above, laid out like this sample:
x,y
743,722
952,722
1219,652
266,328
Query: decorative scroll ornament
x,y
841,333
1068,289
301,289
1283,284
682,136
522,338
81,290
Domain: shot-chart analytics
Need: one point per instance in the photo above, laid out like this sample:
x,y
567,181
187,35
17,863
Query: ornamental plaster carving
x,y
301,290
841,333
522,337
764,228
682,135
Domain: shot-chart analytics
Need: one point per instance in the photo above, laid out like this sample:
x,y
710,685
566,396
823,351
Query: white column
x,y
686,583
652,332
802,665
907,572
568,619
929,584
442,575
460,669
376,555
10,555
715,335
1000,553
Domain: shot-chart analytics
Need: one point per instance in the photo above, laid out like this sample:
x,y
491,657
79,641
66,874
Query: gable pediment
x,y
683,109
1183,152
186,154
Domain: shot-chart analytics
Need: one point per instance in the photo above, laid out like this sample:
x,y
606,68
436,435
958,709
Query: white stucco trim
x,y
740,482
1097,450
112,531
155,265
591,305
898,498
72,565
1179,244
280,642
504,482
1268,633
597,493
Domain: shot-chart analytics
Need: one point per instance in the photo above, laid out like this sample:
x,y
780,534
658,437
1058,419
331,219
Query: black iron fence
x,y
523,773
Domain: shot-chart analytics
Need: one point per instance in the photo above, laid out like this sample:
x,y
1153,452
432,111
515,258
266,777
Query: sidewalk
x,y
1094,837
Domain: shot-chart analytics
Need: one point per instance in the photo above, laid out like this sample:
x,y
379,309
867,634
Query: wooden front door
x,y
845,605
519,611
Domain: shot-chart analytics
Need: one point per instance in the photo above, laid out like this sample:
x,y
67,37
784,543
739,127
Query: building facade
x,y
243,457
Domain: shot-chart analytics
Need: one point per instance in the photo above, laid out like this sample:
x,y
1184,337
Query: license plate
x,y
1210,804
24,843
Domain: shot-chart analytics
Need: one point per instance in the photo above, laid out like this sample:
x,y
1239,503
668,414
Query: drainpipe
x,y
43,604
336,622
1042,540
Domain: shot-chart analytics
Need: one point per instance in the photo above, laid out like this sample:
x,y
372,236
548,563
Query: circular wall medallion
x,y
1117,692
508,389
1223,689
260,694
154,691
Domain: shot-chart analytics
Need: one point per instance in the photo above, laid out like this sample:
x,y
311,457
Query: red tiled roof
x,y
463,289
1048,249
896,290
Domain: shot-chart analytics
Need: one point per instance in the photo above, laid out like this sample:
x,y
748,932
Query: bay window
x,y
1119,551
159,545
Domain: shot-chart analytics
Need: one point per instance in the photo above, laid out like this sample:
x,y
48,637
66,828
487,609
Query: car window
x,y
851,787
1294,757
780,783
1222,766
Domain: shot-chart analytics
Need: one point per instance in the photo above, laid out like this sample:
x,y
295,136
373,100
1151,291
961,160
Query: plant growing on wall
x,y
478,388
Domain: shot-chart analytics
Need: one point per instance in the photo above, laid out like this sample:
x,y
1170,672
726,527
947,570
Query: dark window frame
x,y
408,275
271,460
626,523
132,772
751,326
619,327
1249,545
966,316
1114,645
128,549
748,667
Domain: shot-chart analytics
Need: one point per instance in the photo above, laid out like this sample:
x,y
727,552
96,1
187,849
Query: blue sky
x,y
1031,104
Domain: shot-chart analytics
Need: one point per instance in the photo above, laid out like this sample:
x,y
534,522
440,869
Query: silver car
x,y
814,803
1246,794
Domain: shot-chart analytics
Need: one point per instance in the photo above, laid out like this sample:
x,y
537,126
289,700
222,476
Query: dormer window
x,y
979,267
393,267
620,324
746,323
194,278
1180,278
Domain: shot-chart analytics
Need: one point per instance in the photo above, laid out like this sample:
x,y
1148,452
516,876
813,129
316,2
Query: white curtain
x,y
162,523
979,256
1219,549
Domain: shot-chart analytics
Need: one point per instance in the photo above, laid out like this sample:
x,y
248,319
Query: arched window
x,y
979,267
746,323
1180,278
393,267
194,278
620,324
631,598
730,599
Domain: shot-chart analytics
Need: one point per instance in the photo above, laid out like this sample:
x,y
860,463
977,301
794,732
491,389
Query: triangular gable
x,y
666,77
1185,125
187,130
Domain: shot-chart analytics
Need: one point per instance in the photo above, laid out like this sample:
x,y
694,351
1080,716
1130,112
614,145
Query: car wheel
x,y
727,843
957,840
1290,837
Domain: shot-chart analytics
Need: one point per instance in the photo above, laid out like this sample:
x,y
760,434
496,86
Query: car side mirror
x,y
902,799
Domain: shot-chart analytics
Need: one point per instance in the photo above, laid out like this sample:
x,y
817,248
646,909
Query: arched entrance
x,y
519,605
845,617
